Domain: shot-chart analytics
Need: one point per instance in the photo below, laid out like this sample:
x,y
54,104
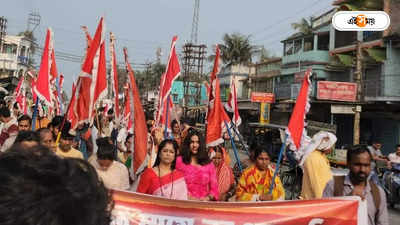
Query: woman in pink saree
x,y
163,180
199,171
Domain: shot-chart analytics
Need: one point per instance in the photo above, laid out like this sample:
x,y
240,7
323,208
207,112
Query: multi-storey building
x,y
15,56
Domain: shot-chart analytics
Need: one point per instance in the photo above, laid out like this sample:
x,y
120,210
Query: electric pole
x,y
33,21
195,23
3,27
358,80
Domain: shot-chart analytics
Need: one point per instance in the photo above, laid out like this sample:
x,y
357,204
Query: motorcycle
x,y
391,183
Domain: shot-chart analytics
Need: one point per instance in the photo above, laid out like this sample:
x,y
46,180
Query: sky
x,y
145,25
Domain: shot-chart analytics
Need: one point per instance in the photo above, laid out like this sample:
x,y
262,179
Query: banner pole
x,y
35,114
241,139
271,187
166,119
234,147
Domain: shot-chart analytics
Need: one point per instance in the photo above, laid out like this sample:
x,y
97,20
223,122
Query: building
x,y
15,56
242,74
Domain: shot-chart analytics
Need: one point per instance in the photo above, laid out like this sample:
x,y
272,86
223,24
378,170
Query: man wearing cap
x,y
316,168
65,149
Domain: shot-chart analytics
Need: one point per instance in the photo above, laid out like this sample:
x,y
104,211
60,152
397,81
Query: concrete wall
x,y
391,72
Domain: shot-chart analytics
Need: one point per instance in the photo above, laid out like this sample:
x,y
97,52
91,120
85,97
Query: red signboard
x,y
262,97
338,91
139,209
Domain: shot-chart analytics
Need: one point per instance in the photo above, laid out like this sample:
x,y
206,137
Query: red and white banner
x,y
262,97
135,209
337,91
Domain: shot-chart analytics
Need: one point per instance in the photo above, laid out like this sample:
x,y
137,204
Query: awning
x,y
347,60
378,54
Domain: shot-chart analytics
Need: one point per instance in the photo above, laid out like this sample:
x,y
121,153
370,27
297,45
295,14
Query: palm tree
x,y
304,26
360,5
236,49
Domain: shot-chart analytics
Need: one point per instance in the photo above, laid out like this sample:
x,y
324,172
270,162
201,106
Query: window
x,y
175,98
323,42
289,48
308,44
297,46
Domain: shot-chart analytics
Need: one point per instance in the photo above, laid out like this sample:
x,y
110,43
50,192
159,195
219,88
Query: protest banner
x,y
133,208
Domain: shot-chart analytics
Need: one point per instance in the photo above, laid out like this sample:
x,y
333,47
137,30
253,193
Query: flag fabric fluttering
x,y
139,122
296,132
88,36
232,105
71,114
172,72
20,96
114,76
92,82
216,115
42,88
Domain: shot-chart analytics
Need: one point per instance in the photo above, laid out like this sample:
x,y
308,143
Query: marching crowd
x,y
183,168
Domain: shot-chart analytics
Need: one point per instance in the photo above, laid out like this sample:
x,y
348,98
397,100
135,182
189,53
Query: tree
x,y
236,49
304,26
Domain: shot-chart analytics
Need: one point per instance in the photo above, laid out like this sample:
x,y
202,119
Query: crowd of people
x,y
183,169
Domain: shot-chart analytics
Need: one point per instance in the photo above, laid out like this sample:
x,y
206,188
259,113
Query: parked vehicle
x,y
391,183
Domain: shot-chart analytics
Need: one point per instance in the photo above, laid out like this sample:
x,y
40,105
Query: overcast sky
x,y
144,25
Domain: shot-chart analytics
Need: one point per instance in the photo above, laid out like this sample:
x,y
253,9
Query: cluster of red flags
x,y
47,86
91,87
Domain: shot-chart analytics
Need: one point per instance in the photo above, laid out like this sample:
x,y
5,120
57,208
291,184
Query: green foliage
x,y
236,49
304,26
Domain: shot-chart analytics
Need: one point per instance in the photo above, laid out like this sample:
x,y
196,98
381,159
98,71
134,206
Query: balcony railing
x,y
384,88
287,91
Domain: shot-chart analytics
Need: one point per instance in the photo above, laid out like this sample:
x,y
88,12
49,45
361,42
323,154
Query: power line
x,y
294,15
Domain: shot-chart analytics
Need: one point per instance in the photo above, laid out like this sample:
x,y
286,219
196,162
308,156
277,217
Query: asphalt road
x,y
394,215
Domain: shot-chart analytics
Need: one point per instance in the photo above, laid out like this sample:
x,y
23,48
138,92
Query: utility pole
x,y
195,23
358,80
3,27
33,21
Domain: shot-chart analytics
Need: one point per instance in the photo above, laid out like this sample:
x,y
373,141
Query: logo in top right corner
x,y
361,20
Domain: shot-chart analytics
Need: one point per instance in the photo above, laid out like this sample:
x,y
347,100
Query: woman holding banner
x,y
255,181
163,180
199,172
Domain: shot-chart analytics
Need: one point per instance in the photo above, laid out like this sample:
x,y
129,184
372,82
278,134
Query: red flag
x,y
20,96
171,73
114,74
61,82
139,120
92,83
216,115
232,105
127,109
297,135
42,88
71,114
88,37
